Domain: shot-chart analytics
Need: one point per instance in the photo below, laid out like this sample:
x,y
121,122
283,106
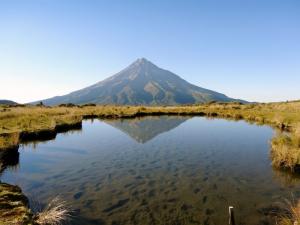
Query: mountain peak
x,y
141,83
142,62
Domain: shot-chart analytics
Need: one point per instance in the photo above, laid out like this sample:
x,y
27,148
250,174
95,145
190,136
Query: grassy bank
x,y
20,123
15,209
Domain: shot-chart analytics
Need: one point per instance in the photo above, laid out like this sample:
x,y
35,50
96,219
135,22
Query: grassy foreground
x,y
20,123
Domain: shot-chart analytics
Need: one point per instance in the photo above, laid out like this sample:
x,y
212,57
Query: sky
x,y
247,49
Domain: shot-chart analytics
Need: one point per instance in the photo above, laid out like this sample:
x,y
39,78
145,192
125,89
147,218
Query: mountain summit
x,y
141,83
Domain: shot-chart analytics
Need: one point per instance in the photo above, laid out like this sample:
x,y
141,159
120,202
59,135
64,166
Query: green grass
x,y
285,148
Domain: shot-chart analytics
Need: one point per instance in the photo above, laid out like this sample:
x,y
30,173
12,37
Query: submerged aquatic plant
x,y
55,213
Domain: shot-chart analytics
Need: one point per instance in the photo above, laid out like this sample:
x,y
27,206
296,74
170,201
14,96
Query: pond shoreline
x,y
62,119
14,206
205,177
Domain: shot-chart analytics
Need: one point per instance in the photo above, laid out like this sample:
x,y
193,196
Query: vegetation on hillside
x,y
19,123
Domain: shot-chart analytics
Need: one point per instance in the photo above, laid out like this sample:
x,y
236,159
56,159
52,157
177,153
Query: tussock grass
x,y
285,150
292,215
55,213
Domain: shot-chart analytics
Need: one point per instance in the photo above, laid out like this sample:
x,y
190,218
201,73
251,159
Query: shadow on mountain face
x,y
143,129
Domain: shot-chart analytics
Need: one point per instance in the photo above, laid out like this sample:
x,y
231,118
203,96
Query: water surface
x,y
156,170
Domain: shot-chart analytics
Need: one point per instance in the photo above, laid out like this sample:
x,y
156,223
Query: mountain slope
x,y
141,83
7,102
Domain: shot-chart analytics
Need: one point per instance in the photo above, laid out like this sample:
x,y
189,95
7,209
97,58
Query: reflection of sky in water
x,y
159,169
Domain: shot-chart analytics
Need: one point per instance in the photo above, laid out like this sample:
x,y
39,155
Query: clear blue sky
x,y
247,49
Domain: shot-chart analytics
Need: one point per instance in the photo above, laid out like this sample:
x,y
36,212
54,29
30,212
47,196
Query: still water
x,y
156,170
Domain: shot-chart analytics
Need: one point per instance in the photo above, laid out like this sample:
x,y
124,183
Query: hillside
x,y
7,102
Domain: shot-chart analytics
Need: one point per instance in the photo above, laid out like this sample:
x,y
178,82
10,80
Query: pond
x,y
156,170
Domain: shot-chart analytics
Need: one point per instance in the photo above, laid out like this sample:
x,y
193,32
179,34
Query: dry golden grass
x,y
285,151
292,217
55,213
9,140
284,115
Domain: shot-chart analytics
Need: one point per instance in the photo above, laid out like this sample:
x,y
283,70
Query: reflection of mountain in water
x,y
143,129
